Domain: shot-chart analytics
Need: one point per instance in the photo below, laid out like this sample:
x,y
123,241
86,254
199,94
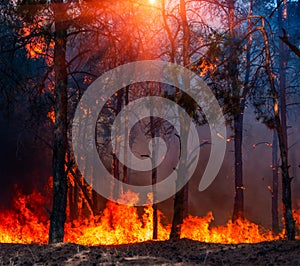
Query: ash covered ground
x,y
179,252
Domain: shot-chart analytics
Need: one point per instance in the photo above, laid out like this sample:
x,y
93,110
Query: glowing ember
x,y
297,218
119,224
51,115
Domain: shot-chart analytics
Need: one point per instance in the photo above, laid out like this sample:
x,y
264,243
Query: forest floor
x,y
180,252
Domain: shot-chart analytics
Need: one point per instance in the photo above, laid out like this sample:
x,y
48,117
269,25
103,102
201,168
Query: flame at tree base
x,y
121,224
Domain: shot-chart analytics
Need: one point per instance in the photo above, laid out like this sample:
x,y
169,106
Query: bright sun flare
x,y
152,2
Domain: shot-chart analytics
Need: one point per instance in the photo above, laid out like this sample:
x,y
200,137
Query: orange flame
x,y
51,115
28,224
37,45
120,224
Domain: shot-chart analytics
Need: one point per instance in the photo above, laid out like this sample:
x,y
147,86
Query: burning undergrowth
x,y
28,222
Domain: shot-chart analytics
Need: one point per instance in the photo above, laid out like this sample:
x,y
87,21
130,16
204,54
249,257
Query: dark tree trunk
x,y
58,215
153,131
275,221
154,180
125,168
238,207
282,134
115,160
178,214
116,174
181,197
155,217
286,185
238,105
73,201
286,180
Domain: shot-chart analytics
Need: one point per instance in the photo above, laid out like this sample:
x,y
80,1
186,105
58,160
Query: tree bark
x,y
115,161
178,213
154,169
181,197
238,207
238,105
154,177
289,221
275,221
126,159
58,215
282,135
286,184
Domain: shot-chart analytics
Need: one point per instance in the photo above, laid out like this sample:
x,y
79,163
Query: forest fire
x,y
110,97
27,223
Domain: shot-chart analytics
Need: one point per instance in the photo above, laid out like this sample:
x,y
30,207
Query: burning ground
x,y
125,238
121,223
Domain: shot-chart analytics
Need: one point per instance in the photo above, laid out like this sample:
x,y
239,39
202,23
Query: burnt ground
x,y
180,252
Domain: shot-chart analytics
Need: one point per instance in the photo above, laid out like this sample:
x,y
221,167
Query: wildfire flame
x,y
28,222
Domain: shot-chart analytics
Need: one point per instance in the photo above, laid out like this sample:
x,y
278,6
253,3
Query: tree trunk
x,y
155,148
125,169
115,160
154,177
73,201
286,180
181,197
178,213
116,174
282,135
58,215
275,221
238,105
286,185
238,207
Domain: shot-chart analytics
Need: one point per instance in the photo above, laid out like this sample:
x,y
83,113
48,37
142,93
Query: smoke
x,y
257,174
24,162
27,162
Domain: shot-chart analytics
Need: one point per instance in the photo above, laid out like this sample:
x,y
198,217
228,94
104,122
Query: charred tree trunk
x,y
154,178
153,131
282,73
73,201
282,135
125,168
115,160
181,197
238,208
286,184
116,174
178,213
58,214
238,105
289,221
275,221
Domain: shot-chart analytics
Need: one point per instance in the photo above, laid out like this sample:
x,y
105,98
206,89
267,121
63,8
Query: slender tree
x,y
275,221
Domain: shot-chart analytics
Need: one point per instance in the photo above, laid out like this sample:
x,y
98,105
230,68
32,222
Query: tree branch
x,y
293,47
